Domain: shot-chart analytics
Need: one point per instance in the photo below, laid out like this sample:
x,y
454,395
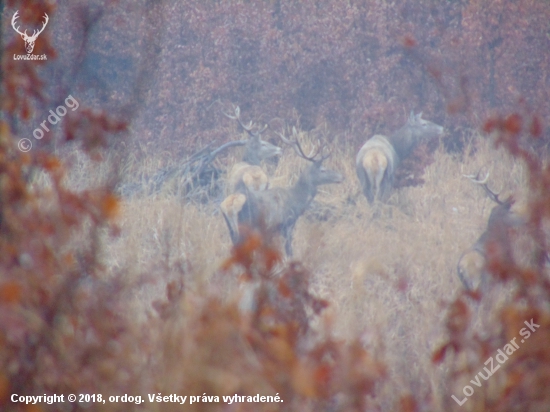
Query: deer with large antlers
x,y
471,264
247,173
29,40
246,176
277,209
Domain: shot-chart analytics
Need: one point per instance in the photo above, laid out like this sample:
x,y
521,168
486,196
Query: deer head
x,y
256,148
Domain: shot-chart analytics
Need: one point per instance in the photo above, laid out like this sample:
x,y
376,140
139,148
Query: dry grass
x,y
388,278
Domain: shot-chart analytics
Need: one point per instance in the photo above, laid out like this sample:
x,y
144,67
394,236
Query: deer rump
x,y
375,165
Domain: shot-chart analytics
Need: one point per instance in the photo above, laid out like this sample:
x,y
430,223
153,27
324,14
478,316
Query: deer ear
x,y
412,117
419,116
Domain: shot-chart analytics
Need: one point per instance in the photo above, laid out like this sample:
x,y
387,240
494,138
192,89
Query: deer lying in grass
x,y
380,156
246,176
471,264
276,210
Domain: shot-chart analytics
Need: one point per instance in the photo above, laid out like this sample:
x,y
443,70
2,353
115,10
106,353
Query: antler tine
x,y
325,156
476,179
315,151
285,140
248,127
296,145
483,183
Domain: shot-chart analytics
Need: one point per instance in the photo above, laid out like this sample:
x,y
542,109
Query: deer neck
x,y
251,157
303,193
403,141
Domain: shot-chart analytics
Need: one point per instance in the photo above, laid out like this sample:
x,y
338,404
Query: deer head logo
x,y
29,40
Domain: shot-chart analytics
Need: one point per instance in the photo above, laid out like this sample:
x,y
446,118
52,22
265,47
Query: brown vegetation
x,y
145,295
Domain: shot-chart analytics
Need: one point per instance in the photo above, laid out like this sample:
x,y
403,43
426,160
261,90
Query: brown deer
x,y
276,210
375,164
380,156
471,264
246,176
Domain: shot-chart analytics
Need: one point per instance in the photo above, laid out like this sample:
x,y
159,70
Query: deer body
x,y
278,209
380,156
471,264
375,165
246,176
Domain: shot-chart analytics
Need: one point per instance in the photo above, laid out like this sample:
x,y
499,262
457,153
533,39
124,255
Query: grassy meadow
x,y
388,271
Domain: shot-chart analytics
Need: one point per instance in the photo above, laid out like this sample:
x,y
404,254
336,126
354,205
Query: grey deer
x,y
276,210
380,156
246,176
471,264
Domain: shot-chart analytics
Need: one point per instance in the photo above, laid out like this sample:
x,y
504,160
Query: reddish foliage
x,y
524,375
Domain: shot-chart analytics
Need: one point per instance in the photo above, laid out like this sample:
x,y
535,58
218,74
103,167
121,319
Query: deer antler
x,y
483,183
298,148
248,127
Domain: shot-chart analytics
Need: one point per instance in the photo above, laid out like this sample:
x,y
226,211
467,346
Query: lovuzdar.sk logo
x,y
29,40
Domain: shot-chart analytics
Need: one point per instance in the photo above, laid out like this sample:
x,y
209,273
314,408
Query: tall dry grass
x,y
388,271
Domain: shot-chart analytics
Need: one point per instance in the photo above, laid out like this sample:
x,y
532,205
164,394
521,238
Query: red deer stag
x,y
277,209
471,264
380,156
247,175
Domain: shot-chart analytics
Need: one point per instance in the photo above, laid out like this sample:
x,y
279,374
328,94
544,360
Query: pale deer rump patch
x,y
253,177
231,206
380,156
375,165
470,269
